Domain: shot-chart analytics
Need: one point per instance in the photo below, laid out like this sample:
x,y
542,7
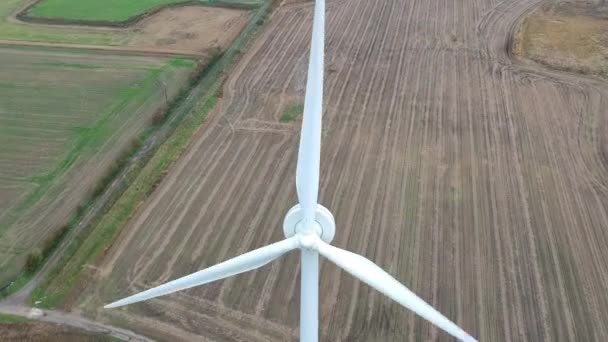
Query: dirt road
x,y
183,30
110,49
72,320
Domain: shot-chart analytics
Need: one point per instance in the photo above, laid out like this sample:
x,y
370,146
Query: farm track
x,y
114,50
479,182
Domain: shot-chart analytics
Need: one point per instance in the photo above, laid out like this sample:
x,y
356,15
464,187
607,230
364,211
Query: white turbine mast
x,y
309,227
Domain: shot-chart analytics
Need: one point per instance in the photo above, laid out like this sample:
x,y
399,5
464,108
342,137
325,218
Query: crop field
x,y
23,330
186,29
480,183
11,29
65,116
114,10
110,11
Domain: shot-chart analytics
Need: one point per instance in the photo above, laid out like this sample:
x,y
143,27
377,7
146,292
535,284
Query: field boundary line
x,y
115,50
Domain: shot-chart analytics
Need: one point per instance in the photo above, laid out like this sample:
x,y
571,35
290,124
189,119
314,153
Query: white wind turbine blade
x,y
243,263
368,272
309,154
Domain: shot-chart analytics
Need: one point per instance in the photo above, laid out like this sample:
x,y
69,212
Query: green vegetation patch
x,y
11,319
84,251
62,109
87,248
89,139
89,12
181,62
96,10
292,112
12,30
4,85
116,11
73,65
16,284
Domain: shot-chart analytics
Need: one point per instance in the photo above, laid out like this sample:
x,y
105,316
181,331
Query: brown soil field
x,y
571,36
194,29
46,332
480,183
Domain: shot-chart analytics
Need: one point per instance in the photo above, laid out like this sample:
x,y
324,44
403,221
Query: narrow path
x,y
72,320
113,49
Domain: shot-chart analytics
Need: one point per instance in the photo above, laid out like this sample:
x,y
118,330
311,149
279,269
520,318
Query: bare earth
x,y
41,134
59,326
479,183
194,29
38,331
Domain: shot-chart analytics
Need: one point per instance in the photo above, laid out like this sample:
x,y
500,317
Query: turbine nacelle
x,y
323,225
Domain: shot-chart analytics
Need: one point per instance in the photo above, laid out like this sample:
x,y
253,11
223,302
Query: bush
x,y
293,112
159,117
34,259
135,144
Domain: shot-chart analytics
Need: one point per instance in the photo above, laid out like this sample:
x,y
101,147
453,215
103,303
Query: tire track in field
x,y
367,209
356,185
380,205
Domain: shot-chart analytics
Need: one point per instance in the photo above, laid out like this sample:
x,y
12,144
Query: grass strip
x,y
293,112
11,319
108,10
113,13
86,249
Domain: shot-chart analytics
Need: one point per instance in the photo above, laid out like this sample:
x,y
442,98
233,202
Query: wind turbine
x,y
309,227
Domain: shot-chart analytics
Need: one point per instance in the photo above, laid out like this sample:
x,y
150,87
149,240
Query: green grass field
x,y
95,10
10,30
292,112
65,116
106,10
11,319
84,250
112,10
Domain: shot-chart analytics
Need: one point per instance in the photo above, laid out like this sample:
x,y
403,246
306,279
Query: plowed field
x,y
480,183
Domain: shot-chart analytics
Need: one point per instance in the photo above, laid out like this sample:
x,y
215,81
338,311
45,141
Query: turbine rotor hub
x,y
309,241
324,225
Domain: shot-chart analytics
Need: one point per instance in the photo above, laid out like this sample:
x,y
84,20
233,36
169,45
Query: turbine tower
x,y
309,227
